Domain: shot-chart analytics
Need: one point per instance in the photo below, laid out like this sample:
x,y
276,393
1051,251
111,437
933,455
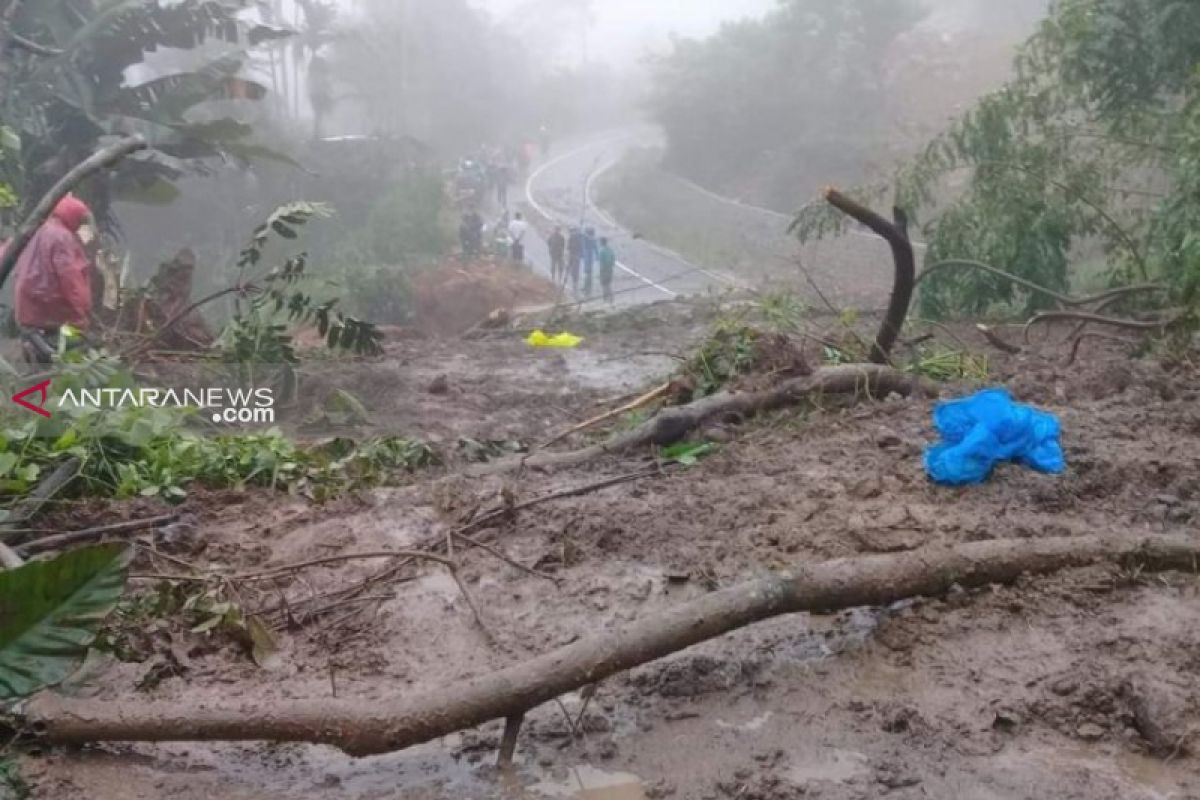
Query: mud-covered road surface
x,y
1051,688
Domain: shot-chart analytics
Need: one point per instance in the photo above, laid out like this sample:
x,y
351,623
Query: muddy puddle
x,y
588,783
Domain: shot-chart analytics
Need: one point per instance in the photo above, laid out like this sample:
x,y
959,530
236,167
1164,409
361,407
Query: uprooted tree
x,y
362,728
366,727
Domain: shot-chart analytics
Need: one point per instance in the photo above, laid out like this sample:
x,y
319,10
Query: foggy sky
x,y
625,29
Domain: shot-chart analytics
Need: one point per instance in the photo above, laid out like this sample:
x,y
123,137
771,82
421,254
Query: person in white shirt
x,y
517,230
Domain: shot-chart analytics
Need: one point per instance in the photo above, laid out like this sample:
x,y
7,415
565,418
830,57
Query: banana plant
x,y
50,612
91,80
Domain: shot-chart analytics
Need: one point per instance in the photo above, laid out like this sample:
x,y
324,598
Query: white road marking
x,y
587,193
770,211
545,212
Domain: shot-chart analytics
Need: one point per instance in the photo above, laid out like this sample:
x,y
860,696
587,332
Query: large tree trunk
x,y
364,727
674,424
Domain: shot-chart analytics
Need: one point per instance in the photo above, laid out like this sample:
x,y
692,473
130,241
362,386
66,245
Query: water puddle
x,y
1138,776
749,726
588,783
829,765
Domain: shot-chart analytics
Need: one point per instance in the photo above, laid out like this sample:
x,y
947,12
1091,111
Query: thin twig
x,y
61,540
1182,743
30,46
944,329
498,554
462,587
276,572
832,309
316,562
663,354
995,341
586,693
500,513
153,337
567,715
1098,319
179,562
646,399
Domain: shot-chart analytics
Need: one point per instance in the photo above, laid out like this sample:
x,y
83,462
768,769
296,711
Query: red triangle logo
x,y
40,389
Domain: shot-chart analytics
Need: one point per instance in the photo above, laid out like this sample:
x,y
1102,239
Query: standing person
x,y
517,230
502,177
574,258
607,260
53,280
544,140
470,234
557,243
589,259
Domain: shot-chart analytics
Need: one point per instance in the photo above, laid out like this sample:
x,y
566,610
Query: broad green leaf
x,y
688,453
50,611
263,647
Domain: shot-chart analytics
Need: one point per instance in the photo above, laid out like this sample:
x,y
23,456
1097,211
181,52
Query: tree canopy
x,y
803,84
71,79
1095,140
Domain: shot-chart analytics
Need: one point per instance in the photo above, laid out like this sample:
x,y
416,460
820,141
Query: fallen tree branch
x,y
508,742
645,400
1097,319
674,424
100,160
995,341
1061,299
60,540
28,507
895,233
30,46
363,727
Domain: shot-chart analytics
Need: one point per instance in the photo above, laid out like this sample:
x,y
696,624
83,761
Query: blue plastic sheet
x,y
984,429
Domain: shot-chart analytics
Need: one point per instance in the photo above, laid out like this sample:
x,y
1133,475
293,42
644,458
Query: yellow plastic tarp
x,y
540,339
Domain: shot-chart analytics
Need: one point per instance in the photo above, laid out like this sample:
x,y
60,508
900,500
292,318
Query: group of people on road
x,y
578,253
488,173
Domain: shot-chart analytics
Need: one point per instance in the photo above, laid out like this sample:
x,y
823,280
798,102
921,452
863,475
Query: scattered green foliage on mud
x,y
158,452
726,354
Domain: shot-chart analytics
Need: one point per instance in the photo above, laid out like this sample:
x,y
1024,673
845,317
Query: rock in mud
x,y
1158,715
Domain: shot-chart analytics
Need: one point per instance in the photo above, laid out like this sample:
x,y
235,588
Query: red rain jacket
x,y
53,283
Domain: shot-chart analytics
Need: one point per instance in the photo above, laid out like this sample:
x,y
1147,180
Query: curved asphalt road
x,y
560,189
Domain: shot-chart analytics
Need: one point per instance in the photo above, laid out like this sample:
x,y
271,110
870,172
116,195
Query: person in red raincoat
x,y
53,274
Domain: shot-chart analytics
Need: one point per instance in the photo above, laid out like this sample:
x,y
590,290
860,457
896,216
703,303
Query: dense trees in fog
x,y
805,83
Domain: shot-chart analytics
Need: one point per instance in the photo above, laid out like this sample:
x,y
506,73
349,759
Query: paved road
x,y
560,189
855,269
